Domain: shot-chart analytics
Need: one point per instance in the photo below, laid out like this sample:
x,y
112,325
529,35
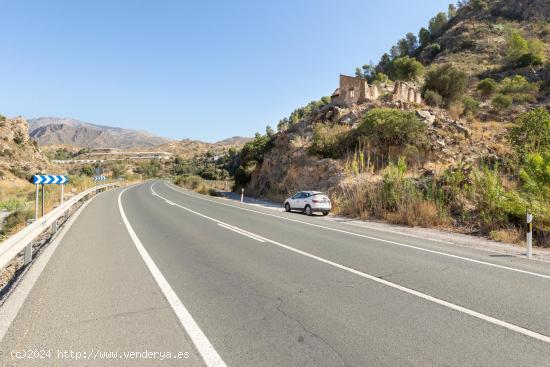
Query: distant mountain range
x,y
66,131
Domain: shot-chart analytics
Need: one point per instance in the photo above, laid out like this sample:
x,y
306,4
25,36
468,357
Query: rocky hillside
x,y
19,155
63,131
469,155
187,148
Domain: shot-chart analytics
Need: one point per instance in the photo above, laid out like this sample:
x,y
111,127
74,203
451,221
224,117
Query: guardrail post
x,y
28,254
529,235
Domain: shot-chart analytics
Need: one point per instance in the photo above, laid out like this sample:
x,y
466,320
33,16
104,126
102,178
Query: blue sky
x,y
189,69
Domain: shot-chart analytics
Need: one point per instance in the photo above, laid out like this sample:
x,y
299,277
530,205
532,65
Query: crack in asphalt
x,y
315,335
123,314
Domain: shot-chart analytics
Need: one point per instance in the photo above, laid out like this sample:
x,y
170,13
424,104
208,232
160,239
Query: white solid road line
x,y
209,355
371,237
410,291
240,231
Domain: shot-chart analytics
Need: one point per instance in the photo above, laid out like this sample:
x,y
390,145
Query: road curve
x,y
268,288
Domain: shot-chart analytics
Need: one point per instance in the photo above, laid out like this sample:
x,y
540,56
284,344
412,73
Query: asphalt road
x,y
259,287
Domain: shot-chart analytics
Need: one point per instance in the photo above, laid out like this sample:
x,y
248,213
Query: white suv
x,y
309,202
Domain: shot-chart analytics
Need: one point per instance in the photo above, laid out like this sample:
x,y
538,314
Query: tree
x,y
395,52
385,64
531,132
450,82
406,68
408,45
424,37
479,4
437,24
269,131
451,13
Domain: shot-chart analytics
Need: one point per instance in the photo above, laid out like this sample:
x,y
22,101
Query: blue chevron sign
x,y
100,178
49,179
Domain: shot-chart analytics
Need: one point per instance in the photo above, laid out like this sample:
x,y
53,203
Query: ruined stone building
x,y
355,90
405,92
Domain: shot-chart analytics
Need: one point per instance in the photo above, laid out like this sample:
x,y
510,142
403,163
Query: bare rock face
x,y
522,9
17,152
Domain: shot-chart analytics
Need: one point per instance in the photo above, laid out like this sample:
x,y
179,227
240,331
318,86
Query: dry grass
x,y
422,213
366,200
507,235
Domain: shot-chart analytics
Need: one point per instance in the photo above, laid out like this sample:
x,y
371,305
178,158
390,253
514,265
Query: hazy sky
x,y
189,69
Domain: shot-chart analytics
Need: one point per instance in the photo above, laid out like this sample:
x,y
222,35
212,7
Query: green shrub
x,y
516,44
243,175
16,219
471,106
256,148
531,132
529,59
435,48
329,141
502,101
519,89
487,87
535,174
190,182
448,81
19,138
432,98
386,127
12,204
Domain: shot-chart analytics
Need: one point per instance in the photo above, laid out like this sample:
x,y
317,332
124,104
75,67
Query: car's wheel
x,y
308,210
325,213
287,207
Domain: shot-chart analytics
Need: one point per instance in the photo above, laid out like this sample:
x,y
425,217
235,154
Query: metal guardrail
x,y
10,248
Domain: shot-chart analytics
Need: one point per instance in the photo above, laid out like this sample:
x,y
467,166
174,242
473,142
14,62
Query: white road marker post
x,y
242,194
529,235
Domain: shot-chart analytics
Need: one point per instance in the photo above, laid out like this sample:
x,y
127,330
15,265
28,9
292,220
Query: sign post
x,y
98,171
36,203
529,235
43,180
43,198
